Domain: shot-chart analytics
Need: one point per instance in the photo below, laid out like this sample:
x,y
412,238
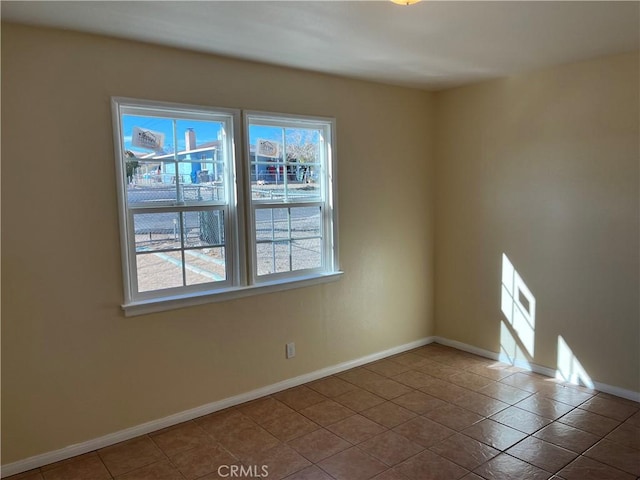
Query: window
x,y
291,206
193,231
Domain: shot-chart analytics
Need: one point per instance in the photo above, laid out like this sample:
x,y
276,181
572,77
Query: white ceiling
x,y
430,45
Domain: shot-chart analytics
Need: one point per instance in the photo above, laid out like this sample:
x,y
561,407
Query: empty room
x,y
308,240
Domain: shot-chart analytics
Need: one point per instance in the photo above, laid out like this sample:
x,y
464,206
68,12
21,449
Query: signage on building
x,y
268,148
147,139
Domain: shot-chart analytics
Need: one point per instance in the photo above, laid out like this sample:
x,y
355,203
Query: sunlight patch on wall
x,y
510,351
569,368
519,308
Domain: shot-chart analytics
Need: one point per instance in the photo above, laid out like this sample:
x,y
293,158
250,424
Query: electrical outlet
x,y
291,350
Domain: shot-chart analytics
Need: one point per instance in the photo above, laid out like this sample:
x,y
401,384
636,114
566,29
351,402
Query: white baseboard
x,y
549,372
148,427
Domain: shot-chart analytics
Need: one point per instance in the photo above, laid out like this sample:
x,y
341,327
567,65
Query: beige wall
x,y
73,367
544,167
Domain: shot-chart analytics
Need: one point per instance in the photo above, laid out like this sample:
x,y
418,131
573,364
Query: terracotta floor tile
x,y
589,422
494,434
126,456
34,474
356,429
60,463
634,419
388,414
480,404
352,464
289,426
299,397
281,461
386,388
221,423
570,396
567,437
609,408
523,382
265,409
331,386
180,437
409,359
387,368
464,451
627,435
543,455
494,370
580,388
473,476
359,399
327,412
413,379
505,467
390,448
444,390
310,473
247,441
390,474
318,445
438,370
202,461
584,468
522,420
430,466
156,471
87,467
504,393
544,406
470,380
454,417
452,359
419,402
423,431
626,401
360,376
616,455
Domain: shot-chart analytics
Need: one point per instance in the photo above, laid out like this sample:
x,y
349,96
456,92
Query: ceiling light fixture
x,y
405,2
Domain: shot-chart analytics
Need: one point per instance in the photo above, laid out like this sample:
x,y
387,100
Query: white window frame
x,y
241,279
327,204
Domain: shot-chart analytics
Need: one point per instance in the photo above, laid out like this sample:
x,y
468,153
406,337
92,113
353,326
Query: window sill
x,y
171,303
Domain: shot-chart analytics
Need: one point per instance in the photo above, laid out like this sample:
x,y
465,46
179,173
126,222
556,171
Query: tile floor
x,y
434,413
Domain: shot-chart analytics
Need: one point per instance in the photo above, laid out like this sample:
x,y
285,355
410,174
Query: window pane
x,y
198,184
159,270
306,254
203,228
156,231
285,163
149,182
272,223
301,225
203,192
147,136
205,265
199,140
306,222
273,257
